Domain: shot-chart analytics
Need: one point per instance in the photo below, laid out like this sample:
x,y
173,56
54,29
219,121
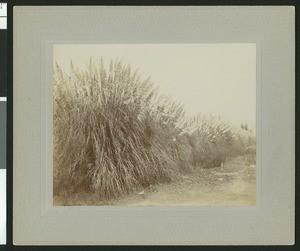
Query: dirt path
x,y
232,185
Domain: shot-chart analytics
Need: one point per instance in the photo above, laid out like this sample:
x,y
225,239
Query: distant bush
x,y
213,140
114,133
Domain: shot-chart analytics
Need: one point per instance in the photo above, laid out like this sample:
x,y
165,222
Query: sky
x,y
207,78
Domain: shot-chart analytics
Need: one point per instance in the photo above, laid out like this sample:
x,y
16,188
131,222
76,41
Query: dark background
x,y
3,62
9,66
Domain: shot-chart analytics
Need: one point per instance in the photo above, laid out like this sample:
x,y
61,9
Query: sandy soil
x,y
231,185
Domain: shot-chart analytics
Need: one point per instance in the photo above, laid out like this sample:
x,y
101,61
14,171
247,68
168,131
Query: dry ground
x,y
231,185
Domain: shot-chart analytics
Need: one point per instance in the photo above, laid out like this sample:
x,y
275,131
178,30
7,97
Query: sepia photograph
x,y
154,124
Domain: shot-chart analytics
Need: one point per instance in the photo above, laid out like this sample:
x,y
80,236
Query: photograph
x,y
169,124
151,125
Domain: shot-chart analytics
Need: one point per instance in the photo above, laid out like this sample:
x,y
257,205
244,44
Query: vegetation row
x,y
115,133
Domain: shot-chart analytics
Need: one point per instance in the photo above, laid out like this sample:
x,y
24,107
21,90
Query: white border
x,y
3,16
3,206
36,222
109,211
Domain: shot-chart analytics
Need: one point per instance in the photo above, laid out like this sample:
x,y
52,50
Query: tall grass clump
x,y
112,131
213,140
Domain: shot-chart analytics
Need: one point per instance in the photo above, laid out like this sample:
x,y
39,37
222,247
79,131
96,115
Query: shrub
x,y
213,140
112,131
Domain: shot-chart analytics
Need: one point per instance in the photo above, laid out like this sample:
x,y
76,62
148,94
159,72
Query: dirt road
x,y
232,185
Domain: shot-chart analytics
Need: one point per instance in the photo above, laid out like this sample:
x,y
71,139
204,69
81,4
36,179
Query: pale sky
x,y
214,78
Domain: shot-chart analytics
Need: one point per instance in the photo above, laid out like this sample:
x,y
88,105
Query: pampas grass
x,y
114,133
